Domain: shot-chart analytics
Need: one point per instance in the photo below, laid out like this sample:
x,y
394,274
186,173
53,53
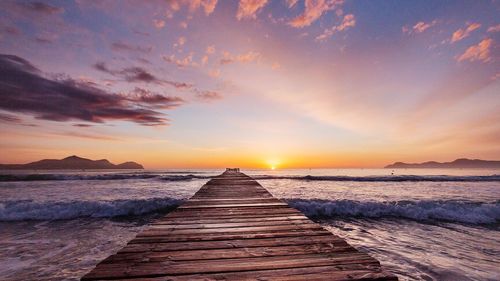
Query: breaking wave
x,y
424,211
29,210
391,178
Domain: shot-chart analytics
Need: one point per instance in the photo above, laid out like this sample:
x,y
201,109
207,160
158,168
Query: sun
x,y
273,163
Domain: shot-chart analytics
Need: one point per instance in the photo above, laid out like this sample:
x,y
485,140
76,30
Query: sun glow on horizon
x,y
273,163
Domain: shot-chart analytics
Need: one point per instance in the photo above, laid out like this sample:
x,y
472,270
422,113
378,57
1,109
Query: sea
x,y
421,224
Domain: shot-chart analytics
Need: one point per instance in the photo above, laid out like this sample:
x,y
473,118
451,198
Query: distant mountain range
x,y
70,163
459,163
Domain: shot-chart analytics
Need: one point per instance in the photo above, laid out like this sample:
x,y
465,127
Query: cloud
x,y
248,9
41,8
139,74
159,23
80,125
25,90
204,59
248,57
156,100
7,29
210,50
9,118
181,41
46,38
419,27
181,62
347,22
208,6
214,73
314,9
462,33
208,96
479,52
121,46
495,28
291,3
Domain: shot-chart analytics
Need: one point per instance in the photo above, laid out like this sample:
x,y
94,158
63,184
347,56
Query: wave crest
x,y
426,211
29,210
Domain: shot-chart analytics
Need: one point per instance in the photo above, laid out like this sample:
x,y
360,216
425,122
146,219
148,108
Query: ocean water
x,y
421,224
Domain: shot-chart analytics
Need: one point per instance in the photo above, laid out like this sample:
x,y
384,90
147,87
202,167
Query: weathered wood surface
x,y
234,229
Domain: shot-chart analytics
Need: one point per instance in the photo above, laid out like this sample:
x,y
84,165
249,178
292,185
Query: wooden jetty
x,y
234,229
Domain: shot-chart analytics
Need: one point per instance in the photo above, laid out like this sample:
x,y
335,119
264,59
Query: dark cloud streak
x,y
137,74
23,88
41,8
121,46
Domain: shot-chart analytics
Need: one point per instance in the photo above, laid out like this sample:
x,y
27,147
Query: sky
x,y
250,83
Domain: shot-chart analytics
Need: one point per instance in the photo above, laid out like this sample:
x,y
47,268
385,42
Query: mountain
x,y
70,163
458,164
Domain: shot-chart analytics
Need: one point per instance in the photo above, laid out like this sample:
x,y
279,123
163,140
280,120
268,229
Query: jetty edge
x,y
234,229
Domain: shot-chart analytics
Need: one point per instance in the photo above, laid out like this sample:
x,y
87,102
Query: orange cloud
x,y
249,8
479,52
348,21
208,5
314,9
462,33
250,56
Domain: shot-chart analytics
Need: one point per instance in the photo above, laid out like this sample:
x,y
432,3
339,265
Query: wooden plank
x,y
234,229
237,243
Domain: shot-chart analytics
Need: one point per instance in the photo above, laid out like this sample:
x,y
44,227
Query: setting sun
x,y
273,163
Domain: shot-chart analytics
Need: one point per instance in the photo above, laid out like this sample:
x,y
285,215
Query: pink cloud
x,y
347,22
159,23
210,49
479,52
248,57
422,26
495,28
249,8
419,27
462,33
204,60
314,9
214,73
208,96
291,3
181,62
180,42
